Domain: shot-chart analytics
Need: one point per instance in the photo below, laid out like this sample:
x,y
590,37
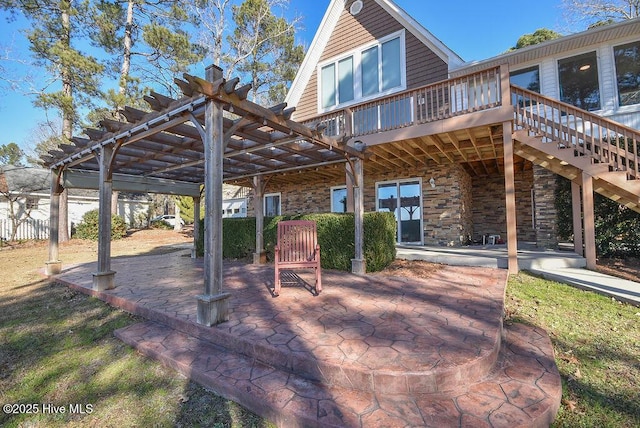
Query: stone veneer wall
x,y
458,207
544,186
489,208
447,213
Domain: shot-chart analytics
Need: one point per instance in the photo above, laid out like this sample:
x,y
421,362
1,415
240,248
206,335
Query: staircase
x,y
570,142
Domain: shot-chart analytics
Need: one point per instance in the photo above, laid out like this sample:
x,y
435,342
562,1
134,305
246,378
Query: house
x,y
437,129
26,190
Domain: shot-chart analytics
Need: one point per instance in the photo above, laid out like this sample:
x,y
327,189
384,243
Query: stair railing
x,y
604,140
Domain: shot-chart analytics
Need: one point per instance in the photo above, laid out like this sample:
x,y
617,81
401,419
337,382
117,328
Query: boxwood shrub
x,y
88,227
335,236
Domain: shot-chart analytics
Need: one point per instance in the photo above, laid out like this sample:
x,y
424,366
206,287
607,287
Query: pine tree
x,y
54,27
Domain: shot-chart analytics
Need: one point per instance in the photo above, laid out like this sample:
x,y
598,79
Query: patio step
x,y
522,389
393,346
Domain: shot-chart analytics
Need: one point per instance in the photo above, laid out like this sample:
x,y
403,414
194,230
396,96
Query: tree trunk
x,y
67,119
126,54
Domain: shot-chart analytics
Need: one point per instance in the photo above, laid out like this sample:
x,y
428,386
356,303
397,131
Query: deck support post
x,y
358,263
510,196
196,226
577,219
103,279
54,266
589,221
213,305
260,255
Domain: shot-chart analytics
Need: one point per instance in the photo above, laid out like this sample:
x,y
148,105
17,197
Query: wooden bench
x,y
297,248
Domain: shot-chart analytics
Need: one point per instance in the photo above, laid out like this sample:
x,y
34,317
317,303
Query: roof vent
x,y
356,7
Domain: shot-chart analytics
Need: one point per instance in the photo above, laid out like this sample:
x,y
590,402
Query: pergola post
x,y
260,256
510,197
577,219
589,221
213,305
54,265
196,226
358,263
103,279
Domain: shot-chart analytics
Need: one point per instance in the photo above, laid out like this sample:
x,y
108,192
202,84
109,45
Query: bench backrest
x,y
297,240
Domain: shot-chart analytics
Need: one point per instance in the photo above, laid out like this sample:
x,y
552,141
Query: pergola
x,y
212,134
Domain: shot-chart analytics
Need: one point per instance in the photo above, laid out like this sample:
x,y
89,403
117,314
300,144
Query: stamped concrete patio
x,y
370,351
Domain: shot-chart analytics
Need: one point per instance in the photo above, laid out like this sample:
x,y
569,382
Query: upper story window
x,y
627,59
528,78
579,86
373,70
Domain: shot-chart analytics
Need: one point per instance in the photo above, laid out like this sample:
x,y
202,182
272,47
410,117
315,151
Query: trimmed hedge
x,y
335,236
88,228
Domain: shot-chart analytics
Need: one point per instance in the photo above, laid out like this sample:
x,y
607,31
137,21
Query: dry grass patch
x,y
58,349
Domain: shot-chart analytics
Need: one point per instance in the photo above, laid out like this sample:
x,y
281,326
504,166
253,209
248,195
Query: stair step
x,y
523,389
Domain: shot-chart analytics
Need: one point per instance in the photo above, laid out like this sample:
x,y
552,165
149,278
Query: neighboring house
x,y
29,188
434,125
234,202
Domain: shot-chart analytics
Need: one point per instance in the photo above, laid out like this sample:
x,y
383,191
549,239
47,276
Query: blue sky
x,y
475,30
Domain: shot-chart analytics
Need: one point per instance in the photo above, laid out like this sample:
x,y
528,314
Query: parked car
x,y
170,219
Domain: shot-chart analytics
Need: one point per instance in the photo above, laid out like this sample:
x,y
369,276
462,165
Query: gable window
x,y
272,204
579,84
627,58
339,199
367,72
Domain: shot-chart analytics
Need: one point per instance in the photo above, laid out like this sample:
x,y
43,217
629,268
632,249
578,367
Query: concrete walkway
x,y
561,266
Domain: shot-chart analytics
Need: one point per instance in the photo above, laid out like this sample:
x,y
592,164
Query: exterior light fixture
x,y
432,182
359,145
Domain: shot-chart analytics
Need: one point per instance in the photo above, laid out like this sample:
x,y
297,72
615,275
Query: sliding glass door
x,y
403,198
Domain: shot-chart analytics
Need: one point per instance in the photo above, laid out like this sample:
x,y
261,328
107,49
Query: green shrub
x,y
335,236
160,225
88,228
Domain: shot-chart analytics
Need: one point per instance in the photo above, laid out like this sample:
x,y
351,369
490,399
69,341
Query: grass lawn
x,y
58,353
57,349
597,345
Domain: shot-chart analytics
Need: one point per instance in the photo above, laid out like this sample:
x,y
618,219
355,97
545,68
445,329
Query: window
x,y
372,71
579,85
339,199
31,204
627,58
529,78
272,204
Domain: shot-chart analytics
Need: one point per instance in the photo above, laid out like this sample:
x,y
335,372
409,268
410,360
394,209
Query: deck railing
x,y
569,127
470,93
557,122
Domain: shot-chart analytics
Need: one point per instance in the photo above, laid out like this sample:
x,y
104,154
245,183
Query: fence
x,y
29,229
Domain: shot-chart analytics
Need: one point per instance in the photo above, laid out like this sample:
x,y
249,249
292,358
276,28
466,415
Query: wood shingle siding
x,y
373,23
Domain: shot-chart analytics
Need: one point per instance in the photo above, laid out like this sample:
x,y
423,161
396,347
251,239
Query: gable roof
x,y
23,180
584,39
328,24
